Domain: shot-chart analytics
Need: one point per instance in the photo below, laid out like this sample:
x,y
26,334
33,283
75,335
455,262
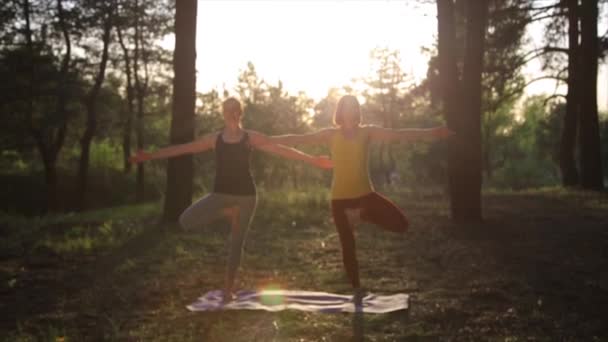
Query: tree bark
x,y
50,138
140,92
567,160
469,186
128,128
448,79
180,169
589,137
462,105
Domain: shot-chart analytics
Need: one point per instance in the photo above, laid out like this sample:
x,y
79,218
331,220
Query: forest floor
x,y
536,269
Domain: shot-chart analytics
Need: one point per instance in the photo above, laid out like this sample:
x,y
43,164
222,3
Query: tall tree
x,y
140,24
448,79
567,160
469,189
141,88
38,57
50,132
180,169
502,79
589,138
463,108
102,14
121,24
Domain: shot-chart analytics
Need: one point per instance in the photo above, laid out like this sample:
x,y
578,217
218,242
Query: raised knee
x,y
183,221
231,212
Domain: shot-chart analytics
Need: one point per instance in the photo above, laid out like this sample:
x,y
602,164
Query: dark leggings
x,y
375,209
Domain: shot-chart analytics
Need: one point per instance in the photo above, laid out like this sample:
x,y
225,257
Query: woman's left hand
x,y
323,162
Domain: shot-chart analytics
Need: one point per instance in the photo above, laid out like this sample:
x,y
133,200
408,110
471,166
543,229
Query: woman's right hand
x,y
140,157
442,132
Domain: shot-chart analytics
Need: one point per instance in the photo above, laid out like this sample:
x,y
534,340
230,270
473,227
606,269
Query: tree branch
x,y
553,97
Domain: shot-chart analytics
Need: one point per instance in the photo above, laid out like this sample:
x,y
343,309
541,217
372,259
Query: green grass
x,y
72,233
531,271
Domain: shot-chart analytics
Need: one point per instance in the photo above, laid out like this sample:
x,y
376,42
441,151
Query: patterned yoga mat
x,y
278,300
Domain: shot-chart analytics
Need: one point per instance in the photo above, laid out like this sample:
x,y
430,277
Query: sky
x,y
314,45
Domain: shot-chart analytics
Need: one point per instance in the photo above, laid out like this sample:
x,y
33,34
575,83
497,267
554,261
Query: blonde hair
x,y
347,102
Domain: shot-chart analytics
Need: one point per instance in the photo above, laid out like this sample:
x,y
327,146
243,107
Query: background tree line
x,y
88,83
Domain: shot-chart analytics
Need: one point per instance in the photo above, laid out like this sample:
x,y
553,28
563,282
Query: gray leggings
x,y
210,208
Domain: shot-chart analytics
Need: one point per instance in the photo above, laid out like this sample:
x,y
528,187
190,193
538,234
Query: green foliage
x,y
526,155
514,148
24,192
271,110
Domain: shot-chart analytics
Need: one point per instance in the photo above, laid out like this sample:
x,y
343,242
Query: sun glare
x,y
309,45
271,294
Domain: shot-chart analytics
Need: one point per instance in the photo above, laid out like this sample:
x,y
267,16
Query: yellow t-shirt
x,y
350,158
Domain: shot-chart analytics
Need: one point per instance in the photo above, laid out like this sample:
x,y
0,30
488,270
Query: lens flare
x,y
271,294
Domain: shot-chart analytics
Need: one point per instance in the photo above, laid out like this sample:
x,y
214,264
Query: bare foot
x,y
358,295
228,296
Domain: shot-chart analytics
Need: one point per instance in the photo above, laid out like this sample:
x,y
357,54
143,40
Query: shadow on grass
x,y
49,286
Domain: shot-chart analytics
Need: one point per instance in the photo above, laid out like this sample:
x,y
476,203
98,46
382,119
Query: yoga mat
x,y
278,300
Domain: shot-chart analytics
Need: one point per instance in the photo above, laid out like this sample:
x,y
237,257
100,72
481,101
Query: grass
x,y
533,270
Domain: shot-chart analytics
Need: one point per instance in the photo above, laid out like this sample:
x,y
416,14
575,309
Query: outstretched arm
x,y
408,134
259,141
318,137
205,143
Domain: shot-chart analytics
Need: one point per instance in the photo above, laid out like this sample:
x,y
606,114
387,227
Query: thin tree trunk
x,y
91,106
50,178
487,147
128,128
49,139
589,137
139,187
180,169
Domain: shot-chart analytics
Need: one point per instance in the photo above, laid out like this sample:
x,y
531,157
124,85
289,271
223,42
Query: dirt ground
x,y
534,270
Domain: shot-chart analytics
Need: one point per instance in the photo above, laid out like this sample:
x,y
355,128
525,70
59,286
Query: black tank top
x,y
232,167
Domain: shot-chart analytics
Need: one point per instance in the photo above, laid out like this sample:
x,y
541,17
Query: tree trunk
x,y
128,128
464,118
49,140
91,122
589,137
180,169
468,207
140,95
50,178
139,187
567,161
449,94
487,147
448,80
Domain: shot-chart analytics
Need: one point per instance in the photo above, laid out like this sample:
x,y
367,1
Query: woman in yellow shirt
x,y
352,193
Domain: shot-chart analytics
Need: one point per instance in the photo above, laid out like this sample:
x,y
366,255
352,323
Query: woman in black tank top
x,y
232,172
234,193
